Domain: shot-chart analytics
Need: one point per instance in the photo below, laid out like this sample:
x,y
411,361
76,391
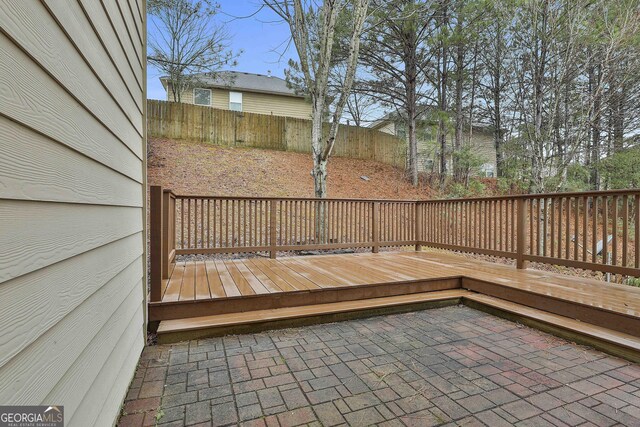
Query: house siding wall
x,y
481,141
72,186
388,127
259,103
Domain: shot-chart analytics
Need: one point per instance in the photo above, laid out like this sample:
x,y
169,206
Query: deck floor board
x,y
200,280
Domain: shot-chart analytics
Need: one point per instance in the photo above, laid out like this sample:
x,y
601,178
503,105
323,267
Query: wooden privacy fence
x,y
598,231
240,129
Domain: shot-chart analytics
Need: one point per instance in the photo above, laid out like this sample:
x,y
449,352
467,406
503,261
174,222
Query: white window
x,y
201,96
235,101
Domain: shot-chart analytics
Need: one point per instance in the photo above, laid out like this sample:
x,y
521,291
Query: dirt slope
x,y
205,169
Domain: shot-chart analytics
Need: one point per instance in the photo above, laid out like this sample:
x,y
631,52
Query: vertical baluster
x,y
181,223
195,223
594,231
553,227
300,209
531,226
219,208
350,221
544,224
225,232
560,225
494,226
605,228
614,230
585,217
576,220
476,225
253,220
567,237
208,223
227,240
625,229
439,223
486,211
636,227
242,223
214,225
307,224
294,222
512,221
360,222
233,223
202,223
452,223
189,223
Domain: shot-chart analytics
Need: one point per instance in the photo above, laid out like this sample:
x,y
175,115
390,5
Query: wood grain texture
x,y
119,384
112,351
99,20
119,28
36,235
33,98
49,294
30,25
34,167
109,306
71,17
72,194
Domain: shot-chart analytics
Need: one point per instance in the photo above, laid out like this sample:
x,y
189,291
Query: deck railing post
x,y
272,228
521,234
375,218
155,242
418,226
166,196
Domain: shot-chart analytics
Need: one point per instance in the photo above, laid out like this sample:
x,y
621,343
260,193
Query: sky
x,y
263,38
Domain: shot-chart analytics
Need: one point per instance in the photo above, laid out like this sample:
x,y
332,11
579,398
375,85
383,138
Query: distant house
x,y
428,148
248,92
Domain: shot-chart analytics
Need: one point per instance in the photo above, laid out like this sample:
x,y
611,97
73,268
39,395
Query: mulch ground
x,y
205,169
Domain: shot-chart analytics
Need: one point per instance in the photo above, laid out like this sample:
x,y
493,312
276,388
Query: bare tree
x,y
314,31
185,43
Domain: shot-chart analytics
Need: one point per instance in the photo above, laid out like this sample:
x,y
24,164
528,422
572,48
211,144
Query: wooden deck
x,y
206,280
237,295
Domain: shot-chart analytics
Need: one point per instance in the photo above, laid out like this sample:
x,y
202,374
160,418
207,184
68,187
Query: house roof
x,y
248,82
393,117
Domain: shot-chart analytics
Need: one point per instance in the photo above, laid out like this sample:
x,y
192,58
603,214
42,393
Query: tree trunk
x,y
442,83
457,139
594,84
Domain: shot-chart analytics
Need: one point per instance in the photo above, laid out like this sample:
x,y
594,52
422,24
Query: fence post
x,y
521,234
272,229
376,232
418,226
155,244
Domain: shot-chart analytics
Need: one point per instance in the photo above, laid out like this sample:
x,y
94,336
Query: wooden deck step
x,y
253,321
607,340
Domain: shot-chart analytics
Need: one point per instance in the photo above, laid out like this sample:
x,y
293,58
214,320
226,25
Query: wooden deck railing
x,y
597,231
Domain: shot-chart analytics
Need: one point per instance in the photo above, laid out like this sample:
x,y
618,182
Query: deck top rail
x,y
598,231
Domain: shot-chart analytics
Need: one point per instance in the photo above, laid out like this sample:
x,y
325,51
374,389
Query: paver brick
x,y
450,366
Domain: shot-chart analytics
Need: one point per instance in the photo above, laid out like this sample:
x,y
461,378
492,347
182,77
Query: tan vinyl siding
x,y
72,299
259,103
481,141
388,127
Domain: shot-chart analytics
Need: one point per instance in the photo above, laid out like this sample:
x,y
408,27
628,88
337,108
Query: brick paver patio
x,y
452,366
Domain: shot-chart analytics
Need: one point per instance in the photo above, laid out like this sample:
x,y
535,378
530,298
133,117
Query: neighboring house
x,y
428,148
238,91
72,205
